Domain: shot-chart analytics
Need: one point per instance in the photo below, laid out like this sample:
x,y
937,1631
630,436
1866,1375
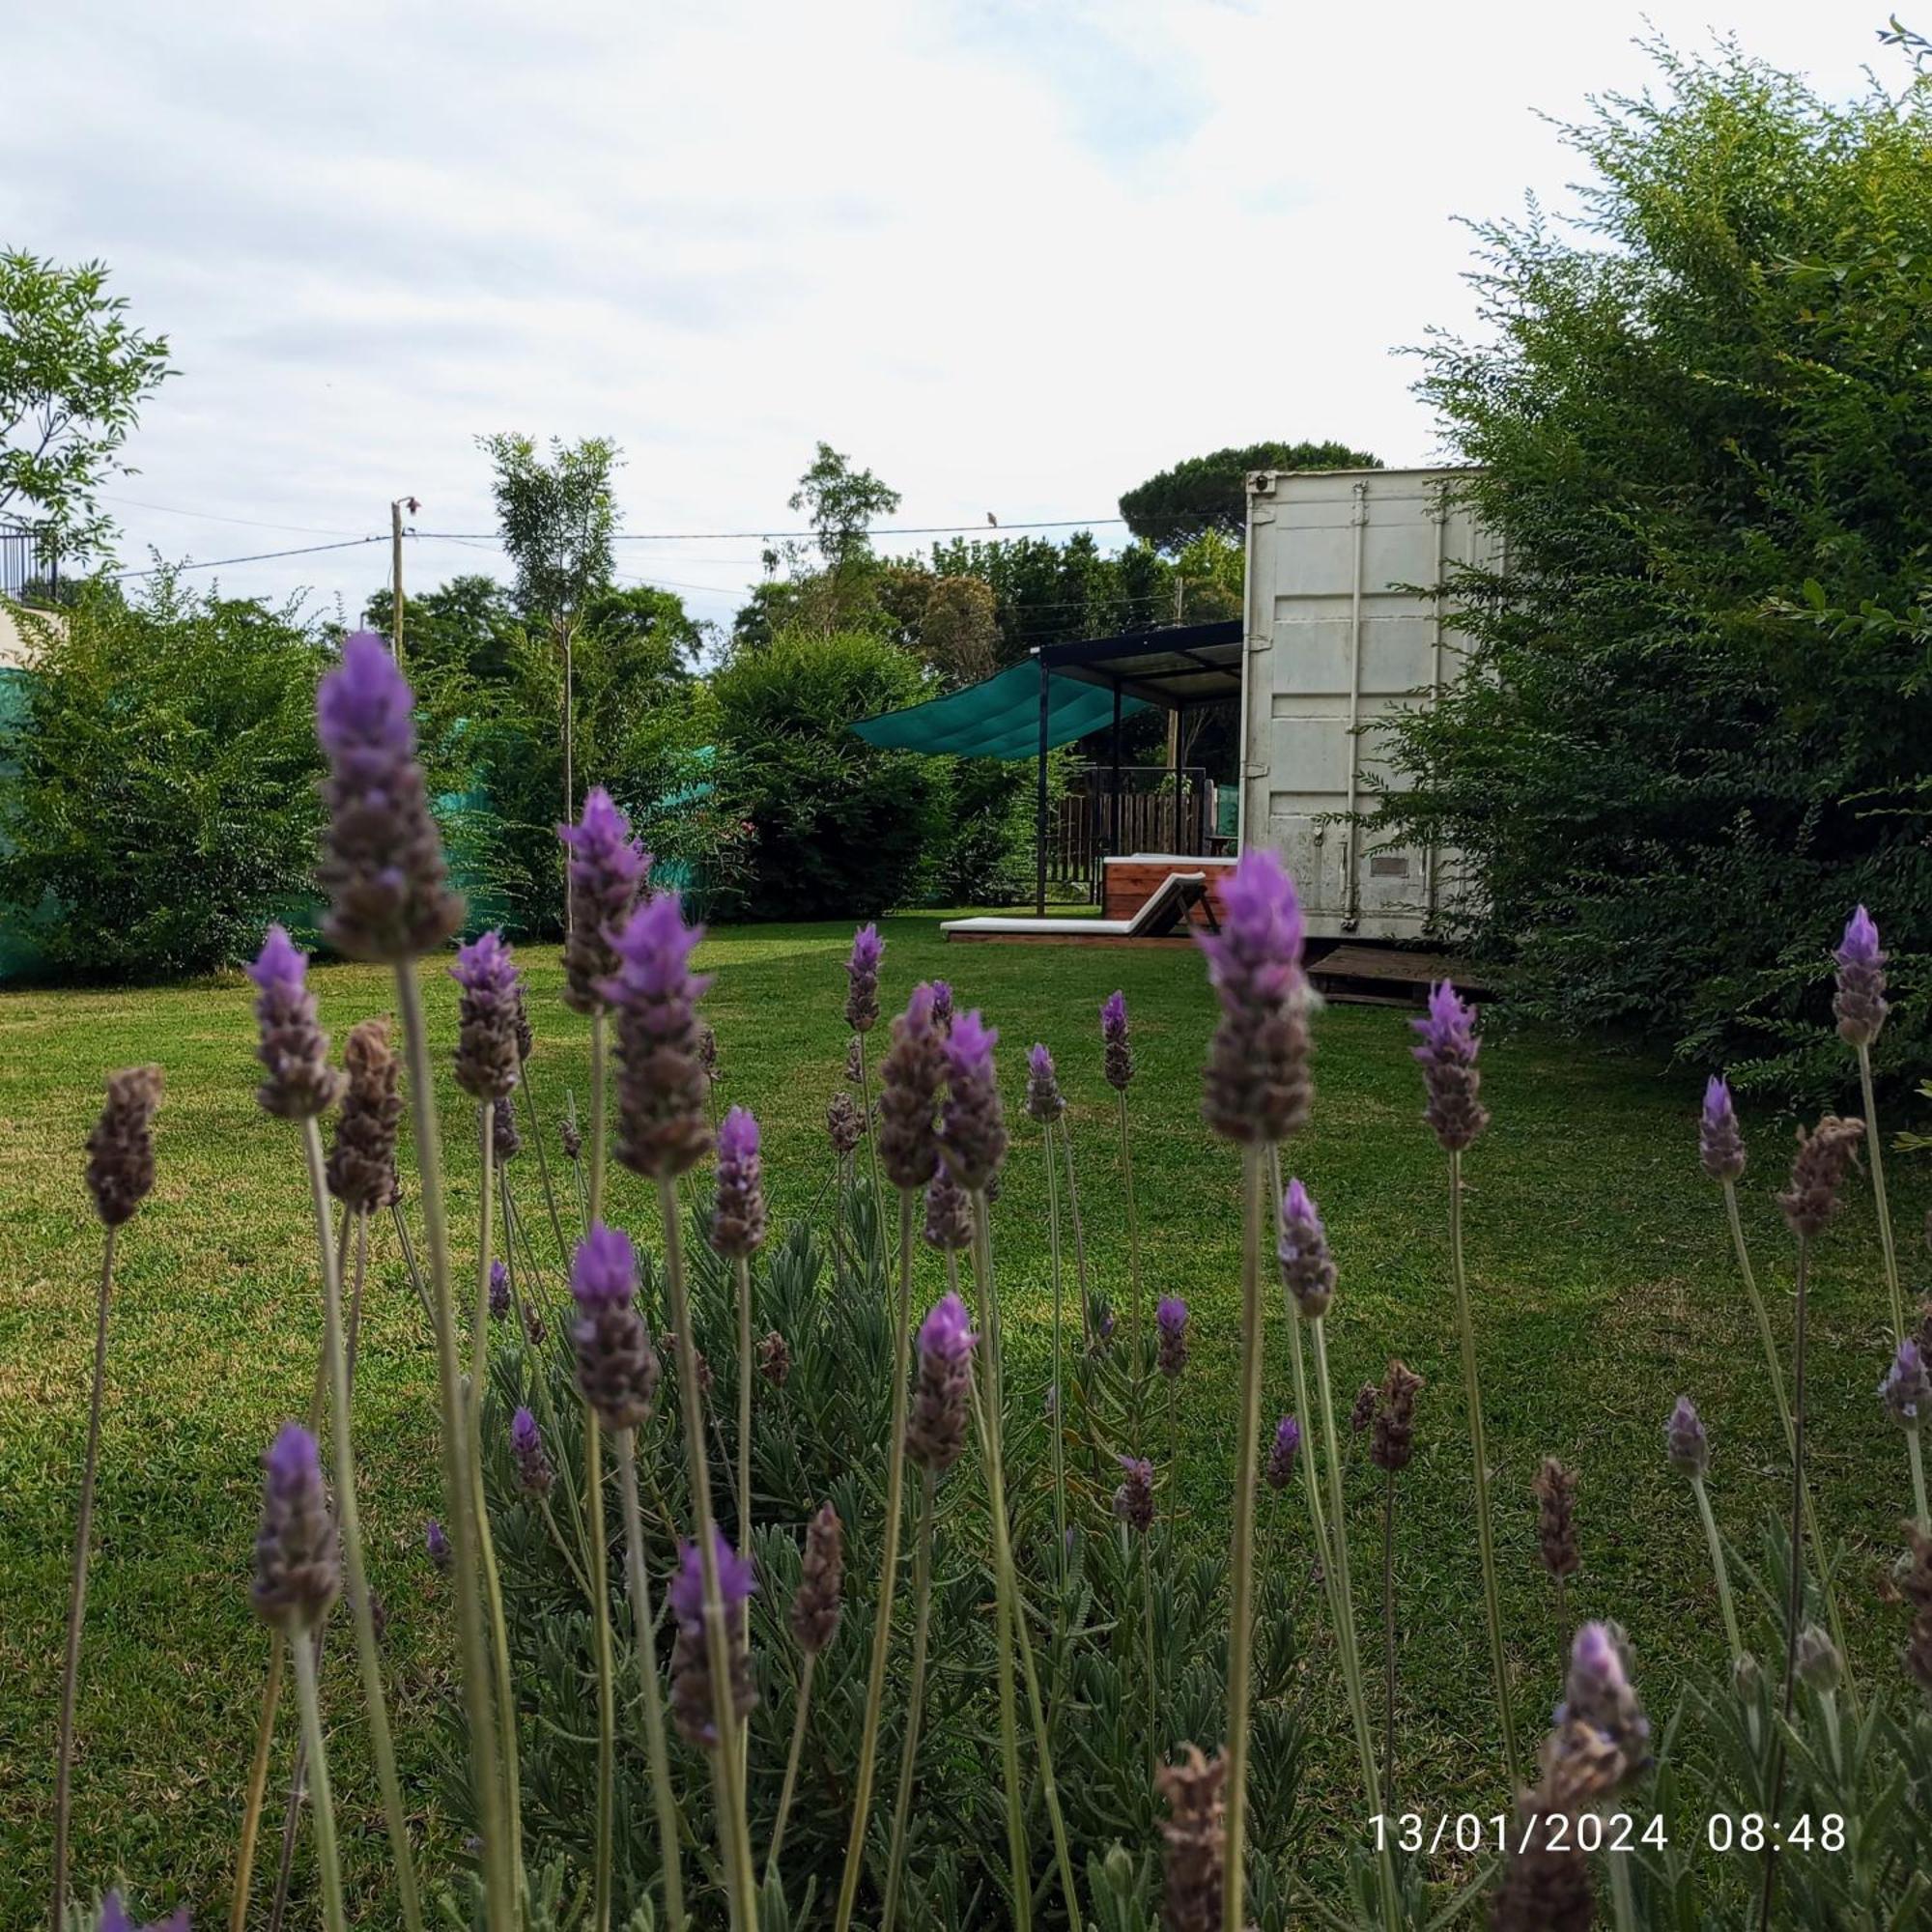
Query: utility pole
x,y
396,511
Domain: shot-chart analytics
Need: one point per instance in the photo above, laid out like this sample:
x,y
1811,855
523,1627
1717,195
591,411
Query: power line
x,y
989,532
257,556
212,517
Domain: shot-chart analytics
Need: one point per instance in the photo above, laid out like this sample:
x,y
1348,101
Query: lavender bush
x,y
676,1692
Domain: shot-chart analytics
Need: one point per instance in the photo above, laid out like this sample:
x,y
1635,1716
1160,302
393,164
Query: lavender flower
x,y
500,1292
533,1325
1859,1003
909,1080
534,1475
382,861
293,1046
1101,1318
663,1127
1044,1101
1600,1693
1915,1585
1393,1445
691,1688
861,974
436,1542
605,873
1556,1493
1257,1084
1306,1265
1133,1500
1281,1455
519,1024
1195,1836
845,1125
121,1145
573,1141
486,1038
297,1565
1685,1439
1547,1885
948,1213
774,1359
855,1071
1818,1171
973,1129
707,1052
1907,1389
936,1429
1169,1317
1361,1418
616,1367
362,1162
114,1919
1816,1659
738,1210
942,1006
1119,1052
506,1142
821,1581
1447,1056
1719,1146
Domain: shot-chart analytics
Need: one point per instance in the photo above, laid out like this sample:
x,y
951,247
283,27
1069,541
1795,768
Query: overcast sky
x,y
1012,257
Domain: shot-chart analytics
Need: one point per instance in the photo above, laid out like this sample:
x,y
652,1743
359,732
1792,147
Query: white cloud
x,y
1010,256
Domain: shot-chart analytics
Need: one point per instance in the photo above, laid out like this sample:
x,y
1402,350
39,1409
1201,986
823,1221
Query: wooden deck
x,y
1384,974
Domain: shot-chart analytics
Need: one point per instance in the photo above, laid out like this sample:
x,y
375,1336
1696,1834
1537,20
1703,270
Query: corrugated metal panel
x,y
1343,626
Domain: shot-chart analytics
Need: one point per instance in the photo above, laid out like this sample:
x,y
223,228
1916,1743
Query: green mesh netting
x,y
999,718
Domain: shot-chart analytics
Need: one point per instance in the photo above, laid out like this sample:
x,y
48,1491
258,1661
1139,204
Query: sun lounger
x,y
1170,905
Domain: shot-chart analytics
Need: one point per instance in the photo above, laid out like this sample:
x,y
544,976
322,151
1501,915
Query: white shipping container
x,y
1343,623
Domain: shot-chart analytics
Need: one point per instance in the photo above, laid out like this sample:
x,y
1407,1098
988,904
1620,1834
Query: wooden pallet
x,y
1385,974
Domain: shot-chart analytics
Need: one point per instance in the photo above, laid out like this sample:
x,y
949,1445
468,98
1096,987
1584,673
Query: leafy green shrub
x,y
839,828
157,781
1690,735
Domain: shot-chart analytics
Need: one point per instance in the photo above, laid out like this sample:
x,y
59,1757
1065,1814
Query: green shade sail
x,y
999,718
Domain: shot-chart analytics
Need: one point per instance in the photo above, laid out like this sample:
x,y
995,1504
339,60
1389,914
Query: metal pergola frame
x,y
1177,667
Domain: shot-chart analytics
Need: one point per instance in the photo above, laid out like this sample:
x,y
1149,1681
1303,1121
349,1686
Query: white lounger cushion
x,y
1098,929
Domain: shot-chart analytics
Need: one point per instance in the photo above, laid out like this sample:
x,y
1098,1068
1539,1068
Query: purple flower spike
x,y
293,1046
1281,1457
862,973
663,1091
1907,1389
1256,1085
297,1564
487,1059
1119,1052
1044,1101
1600,1693
1169,1317
1684,1437
738,1215
500,1292
114,1919
1133,1500
1306,1266
436,1542
606,871
948,1213
1447,1055
1720,1144
942,1006
909,1079
936,1429
381,862
973,1129
1859,1002
604,1272
534,1475
692,1708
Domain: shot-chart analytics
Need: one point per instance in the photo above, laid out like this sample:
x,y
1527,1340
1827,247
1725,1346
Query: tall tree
x,y
74,375
1210,493
557,520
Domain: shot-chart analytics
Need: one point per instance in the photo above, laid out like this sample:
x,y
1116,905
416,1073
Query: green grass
x,y
1600,1265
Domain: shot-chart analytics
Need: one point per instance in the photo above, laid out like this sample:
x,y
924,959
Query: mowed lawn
x,y
1603,1280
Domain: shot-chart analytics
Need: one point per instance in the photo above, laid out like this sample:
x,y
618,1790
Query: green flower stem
x,y
1774,1364
744,1398
733,1834
349,1519
1623,1893
408,1247
888,1565
990,1416
499,1900
1055,1430
543,1157
576,1166
76,1602
486,1542
1888,1246
322,1804
1917,1453
1241,1556
872,1143
1134,1260
1079,1238
1485,1535
599,1078
645,1626
606,1671
563,1549
1147,1639
258,1788
921,1597
1388,1636
790,1786
1732,1636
